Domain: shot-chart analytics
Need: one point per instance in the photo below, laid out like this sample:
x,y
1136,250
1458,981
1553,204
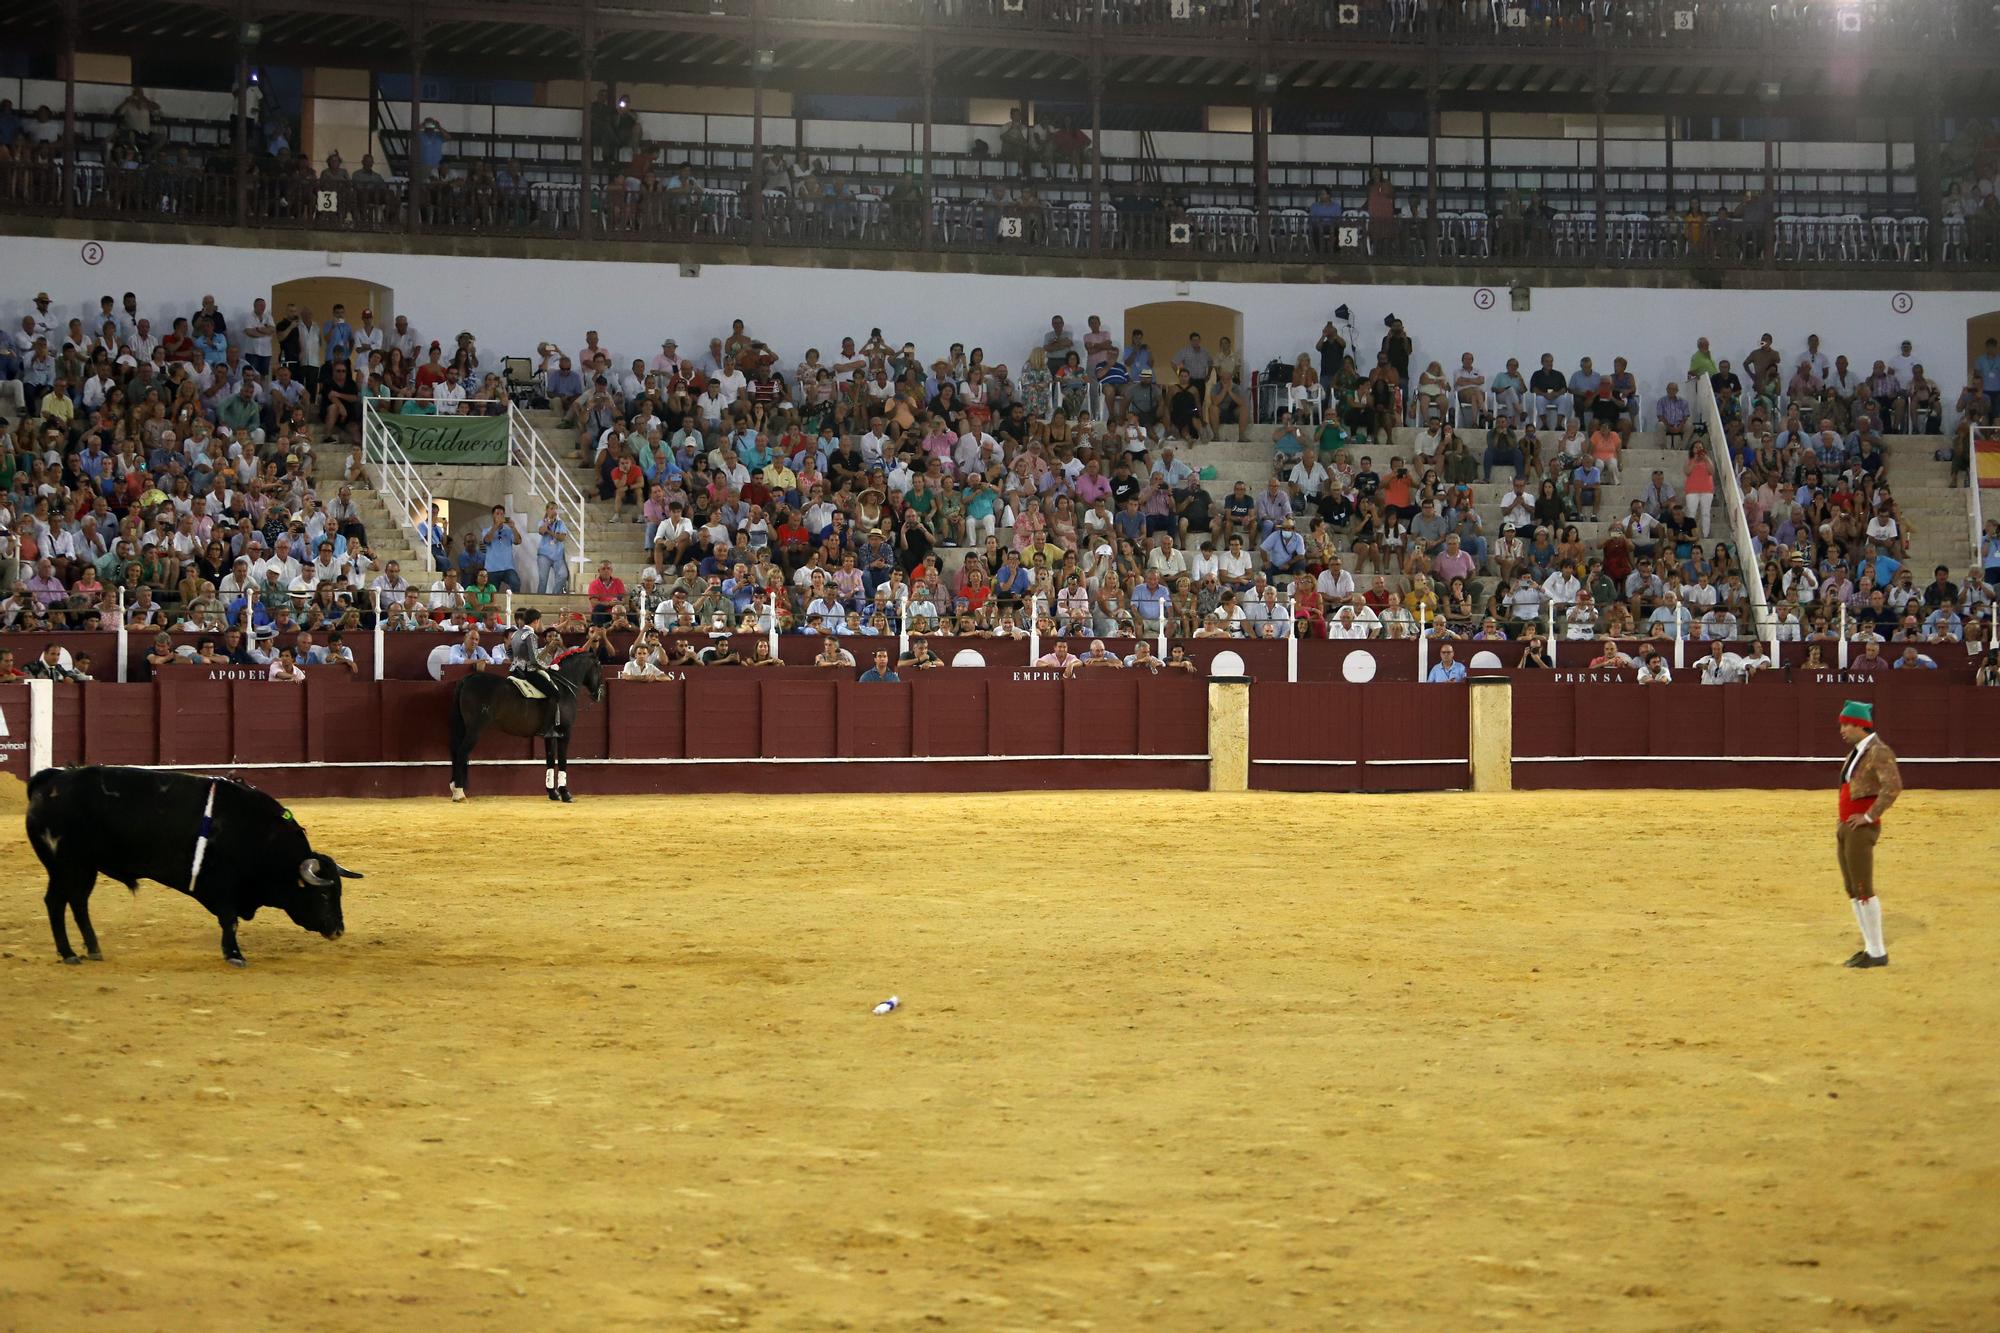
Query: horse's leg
x,y
549,743
464,736
562,766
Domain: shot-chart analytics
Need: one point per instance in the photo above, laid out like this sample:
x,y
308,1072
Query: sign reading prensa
x,y
459,440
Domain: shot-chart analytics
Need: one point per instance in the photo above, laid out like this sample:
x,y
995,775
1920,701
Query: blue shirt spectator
x,y
430,145
500,540
1150,602
338,337
1283,549
1446,672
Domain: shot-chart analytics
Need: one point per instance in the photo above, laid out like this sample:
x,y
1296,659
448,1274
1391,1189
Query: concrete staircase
x,y
1934,511
386,534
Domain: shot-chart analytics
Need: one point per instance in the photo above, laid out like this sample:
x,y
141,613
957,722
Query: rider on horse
x,y
526,660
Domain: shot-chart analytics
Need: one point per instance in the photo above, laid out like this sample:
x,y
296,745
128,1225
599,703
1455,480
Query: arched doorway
x,y
1167,325
1977,330
321,294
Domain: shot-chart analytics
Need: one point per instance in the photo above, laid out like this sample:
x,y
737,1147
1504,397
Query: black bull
x,y
129,824
486,699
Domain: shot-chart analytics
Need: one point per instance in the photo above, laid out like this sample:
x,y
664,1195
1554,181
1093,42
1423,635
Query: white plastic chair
x,y
1473,234
1913,239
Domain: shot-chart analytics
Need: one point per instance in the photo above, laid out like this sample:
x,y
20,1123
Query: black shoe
x,y
1864,959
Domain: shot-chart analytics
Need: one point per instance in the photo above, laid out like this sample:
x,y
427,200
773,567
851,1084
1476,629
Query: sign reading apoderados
x,y
457,440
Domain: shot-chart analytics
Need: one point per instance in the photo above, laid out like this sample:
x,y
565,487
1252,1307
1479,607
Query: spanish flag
x,y
1986,460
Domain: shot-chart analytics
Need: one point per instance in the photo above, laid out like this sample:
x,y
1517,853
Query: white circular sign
x,y
1226,663
435,663
967,657
1358,666
1485,660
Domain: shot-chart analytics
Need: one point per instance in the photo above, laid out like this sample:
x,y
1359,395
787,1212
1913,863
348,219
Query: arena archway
x,y
320,294
1167,325
1977,330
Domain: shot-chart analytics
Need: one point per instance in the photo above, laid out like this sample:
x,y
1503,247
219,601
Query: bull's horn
x,y
343,871
310,873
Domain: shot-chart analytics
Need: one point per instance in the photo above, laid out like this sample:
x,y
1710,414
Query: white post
x,y
1034,629
903,626
1840,653
41,725
510,606
124,638
381,638
1680,641
1291,646
1554,651
774,630
1166,609
644,624
1423,641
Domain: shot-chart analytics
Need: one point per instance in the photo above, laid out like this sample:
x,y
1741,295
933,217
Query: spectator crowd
x,y
160,470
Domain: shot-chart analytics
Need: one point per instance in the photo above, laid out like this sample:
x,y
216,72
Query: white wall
x,y
512,304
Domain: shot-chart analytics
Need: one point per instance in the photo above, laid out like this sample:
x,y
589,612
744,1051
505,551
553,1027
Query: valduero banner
x,y
458,440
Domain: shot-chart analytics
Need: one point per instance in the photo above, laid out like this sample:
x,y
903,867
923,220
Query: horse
x,y
486,699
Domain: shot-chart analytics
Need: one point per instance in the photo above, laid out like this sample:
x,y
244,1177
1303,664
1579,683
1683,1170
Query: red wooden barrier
x,y
1331,736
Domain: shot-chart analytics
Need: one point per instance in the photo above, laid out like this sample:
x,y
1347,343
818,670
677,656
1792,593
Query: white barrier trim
x,y
1357,763
585,763
41,725
1726,759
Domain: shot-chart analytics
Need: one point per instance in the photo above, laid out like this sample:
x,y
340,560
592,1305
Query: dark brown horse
x,y
490,699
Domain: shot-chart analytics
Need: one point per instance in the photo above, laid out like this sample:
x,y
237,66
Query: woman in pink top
x,y
1700,487
1604,444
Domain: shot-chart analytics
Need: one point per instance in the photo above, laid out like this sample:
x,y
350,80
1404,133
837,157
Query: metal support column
x,y
1431,232
927,207
412,158
586,190
1096,144
1486,162
1930,180
1260,147
241,208
69,24
1600,101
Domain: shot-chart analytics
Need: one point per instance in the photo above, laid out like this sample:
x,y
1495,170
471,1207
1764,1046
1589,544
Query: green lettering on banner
x,y
455,440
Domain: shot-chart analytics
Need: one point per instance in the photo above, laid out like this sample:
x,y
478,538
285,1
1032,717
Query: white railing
x,y
397,481
1730,494
545,475
1974,506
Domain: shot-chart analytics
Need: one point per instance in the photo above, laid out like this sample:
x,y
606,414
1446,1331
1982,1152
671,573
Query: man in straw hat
x,y
1869,785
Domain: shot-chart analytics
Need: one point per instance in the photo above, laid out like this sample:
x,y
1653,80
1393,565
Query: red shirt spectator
x,y
607,589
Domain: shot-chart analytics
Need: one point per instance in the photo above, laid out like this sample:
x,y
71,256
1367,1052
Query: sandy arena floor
x,y
1562,1061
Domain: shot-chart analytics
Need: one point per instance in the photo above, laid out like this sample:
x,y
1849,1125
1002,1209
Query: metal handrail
x,y
1729,497
397,481
546,476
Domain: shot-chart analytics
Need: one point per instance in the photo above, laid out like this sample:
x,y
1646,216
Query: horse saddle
x,y
528,688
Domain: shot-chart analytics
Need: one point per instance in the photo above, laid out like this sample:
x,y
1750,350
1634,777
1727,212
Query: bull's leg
x,y
79,905
55,900
230,953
